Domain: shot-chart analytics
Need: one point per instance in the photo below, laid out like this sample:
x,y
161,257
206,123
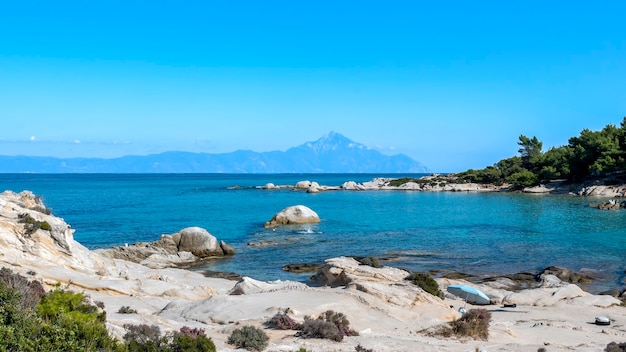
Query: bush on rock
x,y
250,338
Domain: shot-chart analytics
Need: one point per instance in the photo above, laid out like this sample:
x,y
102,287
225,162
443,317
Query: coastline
x,y
389,313
595,187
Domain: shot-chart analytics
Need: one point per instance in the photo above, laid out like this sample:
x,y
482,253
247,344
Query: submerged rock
x,y
302,268
610,205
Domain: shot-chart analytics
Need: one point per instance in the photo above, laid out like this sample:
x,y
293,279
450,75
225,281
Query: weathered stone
x,y
297,214
303,185
566,275
198,241
185,248
226,248
610,205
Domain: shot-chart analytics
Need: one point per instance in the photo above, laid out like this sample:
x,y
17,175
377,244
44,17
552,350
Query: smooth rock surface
x,y
297,214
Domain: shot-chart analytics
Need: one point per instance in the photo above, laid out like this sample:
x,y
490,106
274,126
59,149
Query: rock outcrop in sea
x,y
450,183
188,247
293,215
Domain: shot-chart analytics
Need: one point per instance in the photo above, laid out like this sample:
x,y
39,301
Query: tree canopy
x,y
592,153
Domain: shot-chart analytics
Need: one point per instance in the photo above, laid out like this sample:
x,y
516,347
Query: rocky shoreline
x,y
389,312
601,187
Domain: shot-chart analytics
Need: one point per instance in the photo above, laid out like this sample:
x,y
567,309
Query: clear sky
x,y
451,84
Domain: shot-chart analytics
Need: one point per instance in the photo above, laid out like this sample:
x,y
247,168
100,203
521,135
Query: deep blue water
x,y
486,233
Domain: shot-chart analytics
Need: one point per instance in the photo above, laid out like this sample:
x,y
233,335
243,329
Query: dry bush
x,y
30,292
615,347
142,334
360,348
329,325
474,324
282,321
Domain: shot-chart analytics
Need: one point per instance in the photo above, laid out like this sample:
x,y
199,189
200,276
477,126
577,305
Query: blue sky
x,y
451,84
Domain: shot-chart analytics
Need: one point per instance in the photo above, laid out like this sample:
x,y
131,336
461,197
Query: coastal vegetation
x,y
60,320
31,225
329,325
56,321
592,153
126,310
249,337
282,321
427,283
473,324
148,338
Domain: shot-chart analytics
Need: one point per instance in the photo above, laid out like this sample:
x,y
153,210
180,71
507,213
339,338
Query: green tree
x,y
596,152
555,164
522,179
530,151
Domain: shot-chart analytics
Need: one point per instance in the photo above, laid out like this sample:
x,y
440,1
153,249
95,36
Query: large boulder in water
x,y
297,214
198,241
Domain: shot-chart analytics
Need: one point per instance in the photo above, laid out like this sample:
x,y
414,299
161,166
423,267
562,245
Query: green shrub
x,y
60,303
31,225
282,321
250,338
148,338
57,321
45,226
329,325
474,324
400,181
427,283
126,310
70,320
192,340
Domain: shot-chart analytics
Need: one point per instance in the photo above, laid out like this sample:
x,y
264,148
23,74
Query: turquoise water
x,y
474,233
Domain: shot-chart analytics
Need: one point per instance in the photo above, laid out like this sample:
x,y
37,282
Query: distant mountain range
x,y
333,153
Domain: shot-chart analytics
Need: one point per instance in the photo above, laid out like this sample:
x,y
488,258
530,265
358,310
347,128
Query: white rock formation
x,y
352,186
297,214
303,184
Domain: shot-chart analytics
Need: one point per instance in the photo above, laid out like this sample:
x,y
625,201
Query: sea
x,y
482,234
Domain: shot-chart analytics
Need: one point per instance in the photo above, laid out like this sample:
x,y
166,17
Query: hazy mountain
x,y
333,153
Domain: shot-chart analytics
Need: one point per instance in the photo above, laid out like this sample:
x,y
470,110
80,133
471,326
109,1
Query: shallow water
x,y
484,234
